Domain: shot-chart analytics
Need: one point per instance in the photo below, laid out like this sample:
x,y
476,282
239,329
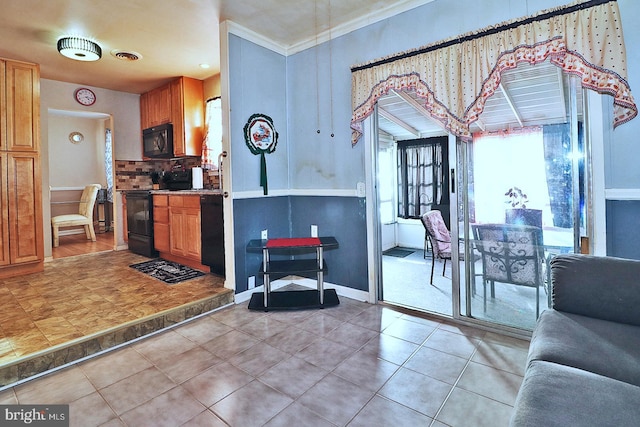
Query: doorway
x,y
81,153
529,151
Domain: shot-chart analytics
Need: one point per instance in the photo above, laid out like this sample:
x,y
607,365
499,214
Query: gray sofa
x,y
583,367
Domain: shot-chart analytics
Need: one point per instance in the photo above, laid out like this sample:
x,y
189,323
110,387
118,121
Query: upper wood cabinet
x,y
180,102
20,98
187,113
155,107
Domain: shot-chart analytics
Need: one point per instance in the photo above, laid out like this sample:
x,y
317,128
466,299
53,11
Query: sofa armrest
x,y
605,288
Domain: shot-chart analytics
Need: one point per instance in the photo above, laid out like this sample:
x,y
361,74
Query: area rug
x,y
398,252
167,271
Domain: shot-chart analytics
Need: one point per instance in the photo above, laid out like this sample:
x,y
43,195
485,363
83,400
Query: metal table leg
x,y
267,281
320,275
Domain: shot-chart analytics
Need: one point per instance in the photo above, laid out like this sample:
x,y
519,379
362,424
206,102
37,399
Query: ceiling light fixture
x,y
79,48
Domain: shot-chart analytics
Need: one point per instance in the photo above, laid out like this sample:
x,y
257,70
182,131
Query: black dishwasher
x,y
140,223
212,233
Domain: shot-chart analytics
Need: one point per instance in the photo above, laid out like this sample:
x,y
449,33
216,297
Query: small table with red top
x,y
292,300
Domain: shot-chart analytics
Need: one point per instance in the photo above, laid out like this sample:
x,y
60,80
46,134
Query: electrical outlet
x,y
264,235
251,282
314,230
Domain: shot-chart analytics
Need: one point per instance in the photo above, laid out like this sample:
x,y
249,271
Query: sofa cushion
x,y
605,348
557,395
606,288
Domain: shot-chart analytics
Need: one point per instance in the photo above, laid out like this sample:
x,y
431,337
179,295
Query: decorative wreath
x,y
261,137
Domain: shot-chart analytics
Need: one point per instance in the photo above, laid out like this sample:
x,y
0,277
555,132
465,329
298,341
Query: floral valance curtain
x,y
454,78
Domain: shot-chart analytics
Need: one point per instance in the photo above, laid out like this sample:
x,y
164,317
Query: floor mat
x,y
167,271
398,252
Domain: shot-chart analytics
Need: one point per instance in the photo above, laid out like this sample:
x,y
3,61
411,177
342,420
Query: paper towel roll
x,y
196,178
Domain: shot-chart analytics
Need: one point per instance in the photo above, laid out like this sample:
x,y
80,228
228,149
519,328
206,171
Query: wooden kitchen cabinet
x,y
155,107
180,102
20,92
176,229
184,220
21,242
161,223
187,116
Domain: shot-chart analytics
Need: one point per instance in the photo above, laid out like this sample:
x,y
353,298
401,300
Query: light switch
x,y
314,230
264,235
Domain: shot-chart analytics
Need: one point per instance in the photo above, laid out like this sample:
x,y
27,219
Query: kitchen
x,y
133,170
123,109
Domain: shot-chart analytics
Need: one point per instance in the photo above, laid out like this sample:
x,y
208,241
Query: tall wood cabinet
x,y
180,102
21,245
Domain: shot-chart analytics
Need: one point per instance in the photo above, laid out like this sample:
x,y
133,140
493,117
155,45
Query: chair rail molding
x,y
622,193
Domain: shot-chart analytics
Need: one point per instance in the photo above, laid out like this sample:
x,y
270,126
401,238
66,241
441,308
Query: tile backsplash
x,y
135,175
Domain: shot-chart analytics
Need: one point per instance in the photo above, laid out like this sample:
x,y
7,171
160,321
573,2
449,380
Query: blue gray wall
x,y
623,228
257,85
302,100
289,216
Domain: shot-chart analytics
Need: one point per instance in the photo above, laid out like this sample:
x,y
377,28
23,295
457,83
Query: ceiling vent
x,y
126,56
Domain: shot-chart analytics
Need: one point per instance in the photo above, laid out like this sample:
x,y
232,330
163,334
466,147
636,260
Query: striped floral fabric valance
x,y
454,78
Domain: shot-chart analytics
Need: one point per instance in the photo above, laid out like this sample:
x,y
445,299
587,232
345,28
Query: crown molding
x,y
325,36
356,24
254,37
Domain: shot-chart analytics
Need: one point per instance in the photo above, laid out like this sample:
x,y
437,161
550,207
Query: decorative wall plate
x,y
261,137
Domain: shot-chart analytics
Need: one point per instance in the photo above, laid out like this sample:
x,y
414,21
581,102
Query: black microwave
x,y
157,142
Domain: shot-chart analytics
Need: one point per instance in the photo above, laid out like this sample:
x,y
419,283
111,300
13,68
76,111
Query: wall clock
x,y
85,96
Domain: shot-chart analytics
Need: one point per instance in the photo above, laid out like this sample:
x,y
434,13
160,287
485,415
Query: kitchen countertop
x,y
202,192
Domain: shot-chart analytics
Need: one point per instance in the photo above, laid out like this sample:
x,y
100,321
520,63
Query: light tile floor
x,y
355,364
406,283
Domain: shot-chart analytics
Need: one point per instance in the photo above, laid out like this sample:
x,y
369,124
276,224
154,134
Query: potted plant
x,y
516,198
518,213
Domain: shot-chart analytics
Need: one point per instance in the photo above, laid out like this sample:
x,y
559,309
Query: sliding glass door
x,y
522,200
512,197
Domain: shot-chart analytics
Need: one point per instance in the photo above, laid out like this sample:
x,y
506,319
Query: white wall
x,y
122,106
87,156
124,109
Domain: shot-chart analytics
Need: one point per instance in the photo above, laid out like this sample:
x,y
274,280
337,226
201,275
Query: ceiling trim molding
x,y
356,24
325,36
254,37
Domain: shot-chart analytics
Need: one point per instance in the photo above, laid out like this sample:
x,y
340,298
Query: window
x,y
386,180
422,176
212,144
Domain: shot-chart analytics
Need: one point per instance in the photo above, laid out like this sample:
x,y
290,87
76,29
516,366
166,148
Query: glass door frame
x,y
598,133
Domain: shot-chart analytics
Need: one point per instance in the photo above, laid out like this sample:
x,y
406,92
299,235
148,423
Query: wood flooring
x,y
78,244
80,296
